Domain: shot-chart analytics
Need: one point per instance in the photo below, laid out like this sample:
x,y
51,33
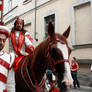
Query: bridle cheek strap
x,y
60,61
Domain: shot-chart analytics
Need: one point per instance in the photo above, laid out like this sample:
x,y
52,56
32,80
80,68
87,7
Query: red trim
x,y
30,47
4,63
4,32
17,47
3,78
29,37
17,62
91,70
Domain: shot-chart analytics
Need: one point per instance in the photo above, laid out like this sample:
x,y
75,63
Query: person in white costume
x,y
21,42
7,82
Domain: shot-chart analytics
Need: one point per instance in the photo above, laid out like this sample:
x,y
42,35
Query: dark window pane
x,y
47,19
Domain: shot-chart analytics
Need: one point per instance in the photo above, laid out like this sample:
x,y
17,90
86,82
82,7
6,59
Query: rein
x,y
26,77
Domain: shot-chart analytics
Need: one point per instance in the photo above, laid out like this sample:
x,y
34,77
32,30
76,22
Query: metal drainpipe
x,y
2,12
35,24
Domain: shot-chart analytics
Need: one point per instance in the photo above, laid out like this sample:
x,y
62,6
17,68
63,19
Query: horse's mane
x,y
39,50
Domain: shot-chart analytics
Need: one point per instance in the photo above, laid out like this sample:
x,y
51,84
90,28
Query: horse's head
x,y
58,52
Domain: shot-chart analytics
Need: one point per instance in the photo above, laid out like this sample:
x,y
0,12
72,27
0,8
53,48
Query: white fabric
x,y
11,81
91,68
11,76
4,71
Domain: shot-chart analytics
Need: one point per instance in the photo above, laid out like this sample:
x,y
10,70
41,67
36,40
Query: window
x,y
9,5
81,12
47,19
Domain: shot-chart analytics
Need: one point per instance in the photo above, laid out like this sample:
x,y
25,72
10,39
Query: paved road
x,y
82,89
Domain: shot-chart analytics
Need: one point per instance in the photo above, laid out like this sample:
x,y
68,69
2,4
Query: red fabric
x,y
1,7
30,47
54,89
74,66
4,63
3,78
17,47
5,90
17,61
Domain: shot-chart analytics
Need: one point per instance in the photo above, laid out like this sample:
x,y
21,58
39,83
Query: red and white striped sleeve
x,y
29,41
11,75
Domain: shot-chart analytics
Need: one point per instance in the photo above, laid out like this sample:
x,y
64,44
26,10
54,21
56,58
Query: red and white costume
x,y
7,83
21,43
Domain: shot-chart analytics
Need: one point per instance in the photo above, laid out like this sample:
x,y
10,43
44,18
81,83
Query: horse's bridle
x,y
48,52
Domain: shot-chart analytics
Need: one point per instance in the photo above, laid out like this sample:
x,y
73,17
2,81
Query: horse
x,y
52,53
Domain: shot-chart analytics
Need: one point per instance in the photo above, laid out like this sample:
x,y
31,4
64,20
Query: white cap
x,y
5,30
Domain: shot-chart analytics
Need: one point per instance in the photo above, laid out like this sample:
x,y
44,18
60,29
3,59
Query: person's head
x,y
74,59
19,24
4,34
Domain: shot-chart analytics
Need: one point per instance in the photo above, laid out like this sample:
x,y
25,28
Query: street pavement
x,y
82,89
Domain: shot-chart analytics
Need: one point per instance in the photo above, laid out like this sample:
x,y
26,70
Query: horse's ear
x,y
67,32
51,31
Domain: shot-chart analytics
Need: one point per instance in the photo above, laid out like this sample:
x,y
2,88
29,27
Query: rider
x,y
20,41
7,83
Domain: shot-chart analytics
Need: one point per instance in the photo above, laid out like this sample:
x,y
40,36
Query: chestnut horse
x,y
53,53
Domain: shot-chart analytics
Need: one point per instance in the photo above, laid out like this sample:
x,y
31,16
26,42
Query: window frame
x,y
46,23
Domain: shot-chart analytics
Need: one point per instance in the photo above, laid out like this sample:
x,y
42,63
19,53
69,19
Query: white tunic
x,y
6,61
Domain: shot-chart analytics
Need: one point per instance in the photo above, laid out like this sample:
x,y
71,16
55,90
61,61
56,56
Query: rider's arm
x,y
29,42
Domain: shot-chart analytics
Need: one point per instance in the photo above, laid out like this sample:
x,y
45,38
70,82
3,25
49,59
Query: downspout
x,y
1,6
35,24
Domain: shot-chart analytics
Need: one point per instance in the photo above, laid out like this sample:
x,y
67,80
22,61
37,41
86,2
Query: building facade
x,y
62,13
